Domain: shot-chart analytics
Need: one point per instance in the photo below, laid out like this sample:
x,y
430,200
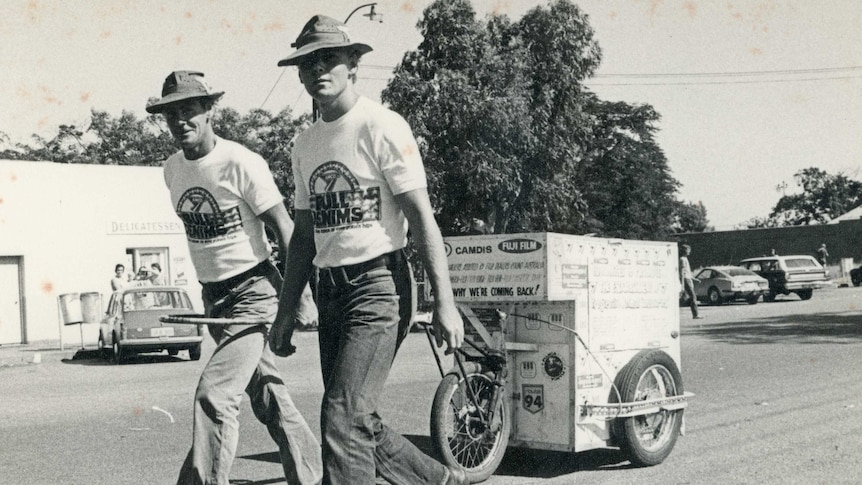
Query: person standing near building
x,y
687,279
823,255
119,281
225,194
156,276
359,182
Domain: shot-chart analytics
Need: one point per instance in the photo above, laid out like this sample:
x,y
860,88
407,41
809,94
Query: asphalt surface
x,y
778,400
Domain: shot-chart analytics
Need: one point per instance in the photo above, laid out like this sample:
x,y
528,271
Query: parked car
x,y
132,325
856,276
800,274
718,284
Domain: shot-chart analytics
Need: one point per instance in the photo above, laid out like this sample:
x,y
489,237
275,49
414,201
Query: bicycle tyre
x,y
457,436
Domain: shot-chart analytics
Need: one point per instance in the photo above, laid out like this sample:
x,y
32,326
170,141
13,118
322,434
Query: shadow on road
x,y
524,463
844,327
94,357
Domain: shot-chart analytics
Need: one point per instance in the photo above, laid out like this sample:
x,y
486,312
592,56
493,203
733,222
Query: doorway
x,y
12,329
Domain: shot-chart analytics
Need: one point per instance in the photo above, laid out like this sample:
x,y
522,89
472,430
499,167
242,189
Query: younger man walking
x,y
359,182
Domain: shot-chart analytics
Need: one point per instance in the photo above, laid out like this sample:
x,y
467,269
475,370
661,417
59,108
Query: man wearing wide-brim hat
x,y
360,182
224,193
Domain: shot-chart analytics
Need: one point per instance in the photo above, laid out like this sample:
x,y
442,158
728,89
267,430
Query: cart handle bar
x,y
203,320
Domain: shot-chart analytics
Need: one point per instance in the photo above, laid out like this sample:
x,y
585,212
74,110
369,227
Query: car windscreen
x,y
739,272
155,300
800,263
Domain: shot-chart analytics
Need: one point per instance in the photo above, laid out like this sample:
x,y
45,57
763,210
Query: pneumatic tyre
x,y
648,439
714,296
805,294
459,436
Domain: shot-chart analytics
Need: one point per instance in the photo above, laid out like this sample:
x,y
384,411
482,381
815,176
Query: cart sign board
x,y
618,274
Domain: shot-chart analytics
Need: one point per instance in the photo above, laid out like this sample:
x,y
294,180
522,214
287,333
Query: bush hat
x,y
182,85
322,32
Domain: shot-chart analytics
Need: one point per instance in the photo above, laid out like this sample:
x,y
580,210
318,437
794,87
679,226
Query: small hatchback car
x,y
800,274
719,284
132,325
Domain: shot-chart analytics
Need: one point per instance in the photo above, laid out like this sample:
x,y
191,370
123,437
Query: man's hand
x,y
448,327
280,335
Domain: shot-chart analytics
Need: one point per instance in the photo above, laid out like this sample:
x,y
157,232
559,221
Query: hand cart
x,y
572,343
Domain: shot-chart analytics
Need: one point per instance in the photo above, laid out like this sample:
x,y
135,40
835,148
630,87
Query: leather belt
x,y
352,271
218,289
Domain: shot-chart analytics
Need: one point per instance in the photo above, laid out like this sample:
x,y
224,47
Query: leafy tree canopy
x,y
824,196
511,136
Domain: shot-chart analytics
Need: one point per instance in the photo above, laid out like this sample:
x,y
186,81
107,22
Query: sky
x,y
750,92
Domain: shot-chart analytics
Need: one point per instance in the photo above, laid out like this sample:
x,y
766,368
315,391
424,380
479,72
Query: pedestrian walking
x,y
687,279
360,182
225,194
823,255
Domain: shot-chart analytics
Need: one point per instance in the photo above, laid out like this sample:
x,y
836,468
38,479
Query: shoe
x,y
457,476
697,318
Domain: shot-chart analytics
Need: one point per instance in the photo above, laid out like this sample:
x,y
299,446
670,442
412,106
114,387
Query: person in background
x,y
156,276
225,194
687,279
360,160
120,280
142,277
823,255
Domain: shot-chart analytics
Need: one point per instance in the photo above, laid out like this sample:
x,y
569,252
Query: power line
x,y
704,83
730,73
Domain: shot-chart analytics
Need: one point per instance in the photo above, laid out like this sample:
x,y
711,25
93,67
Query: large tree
x,y
823,197
511,136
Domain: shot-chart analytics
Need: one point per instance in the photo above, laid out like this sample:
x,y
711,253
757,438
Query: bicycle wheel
x,y
458,432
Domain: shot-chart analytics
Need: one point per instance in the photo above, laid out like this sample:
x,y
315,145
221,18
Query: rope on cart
x,y
563,327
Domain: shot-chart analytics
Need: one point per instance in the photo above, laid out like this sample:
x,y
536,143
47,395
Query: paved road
x,y
779,400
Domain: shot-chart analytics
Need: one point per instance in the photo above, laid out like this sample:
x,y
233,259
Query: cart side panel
x,y
542,372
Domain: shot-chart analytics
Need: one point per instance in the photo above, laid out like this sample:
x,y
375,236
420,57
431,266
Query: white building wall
x,y
70,224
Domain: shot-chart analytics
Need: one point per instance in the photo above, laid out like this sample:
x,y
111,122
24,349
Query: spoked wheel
x,y
648,439
461,434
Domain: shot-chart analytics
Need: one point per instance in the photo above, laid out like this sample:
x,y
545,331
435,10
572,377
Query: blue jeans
x,y
688,286
363,320
242,362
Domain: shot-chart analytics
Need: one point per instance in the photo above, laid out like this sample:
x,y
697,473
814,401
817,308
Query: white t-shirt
x,y
347,172
219,197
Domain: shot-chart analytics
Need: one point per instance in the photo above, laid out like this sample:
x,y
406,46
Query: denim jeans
x,y
363,321
243,362
688,286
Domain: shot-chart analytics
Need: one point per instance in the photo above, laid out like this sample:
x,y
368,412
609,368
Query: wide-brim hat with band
x,y
322,32
182,85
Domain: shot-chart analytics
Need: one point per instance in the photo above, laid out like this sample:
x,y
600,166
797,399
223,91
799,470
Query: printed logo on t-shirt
x,y
337,200
202,217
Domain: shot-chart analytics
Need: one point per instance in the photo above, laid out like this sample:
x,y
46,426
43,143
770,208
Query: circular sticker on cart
x,y
553,366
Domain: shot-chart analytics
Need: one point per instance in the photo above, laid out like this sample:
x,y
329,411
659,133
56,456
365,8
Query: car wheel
x,y
752,299
805,294
195,352
118,352
770,297
173,352
714,296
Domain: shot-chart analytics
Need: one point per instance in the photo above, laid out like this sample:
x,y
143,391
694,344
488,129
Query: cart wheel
x,y
458,434
648,439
